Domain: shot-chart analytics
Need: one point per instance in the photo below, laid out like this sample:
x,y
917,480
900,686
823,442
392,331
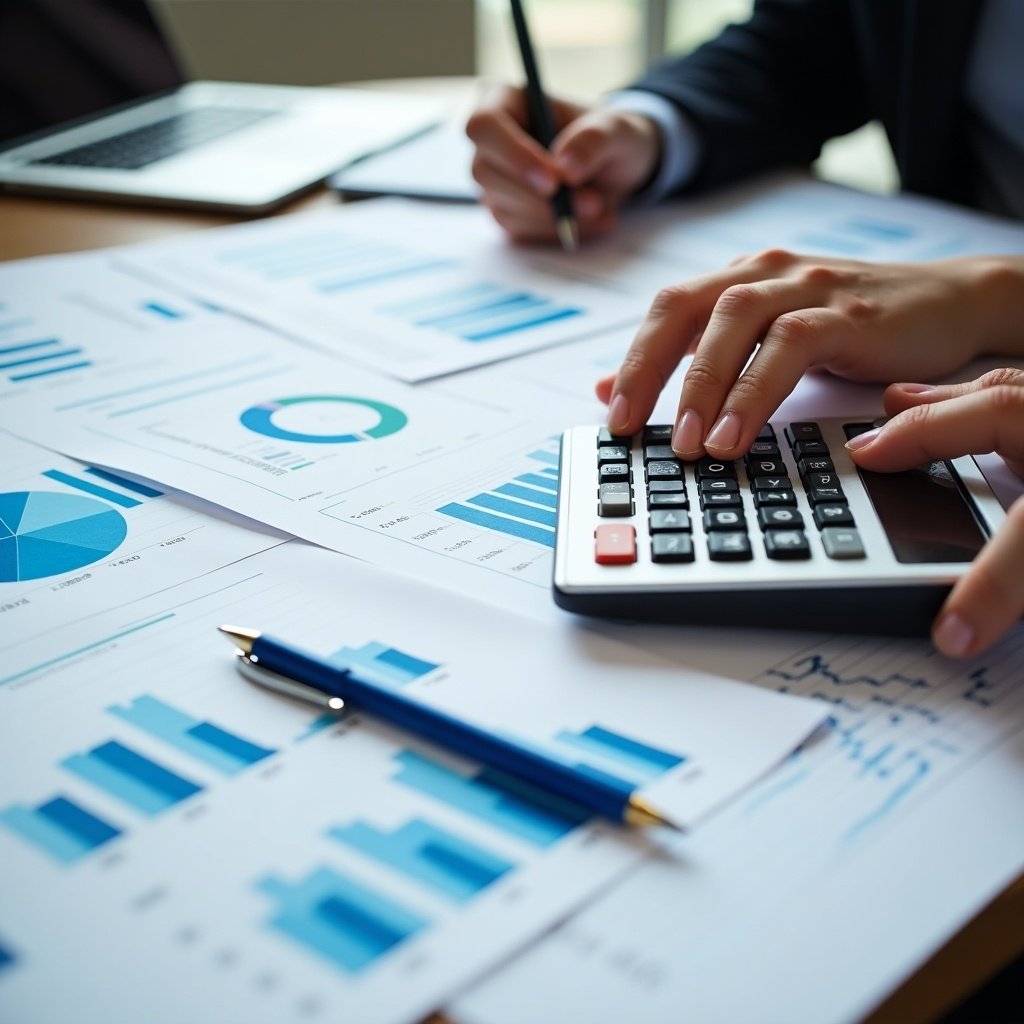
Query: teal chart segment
x,y
45,534
261,420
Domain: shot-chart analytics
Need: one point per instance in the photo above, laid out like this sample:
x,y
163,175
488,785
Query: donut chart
x,y
43,533
261,419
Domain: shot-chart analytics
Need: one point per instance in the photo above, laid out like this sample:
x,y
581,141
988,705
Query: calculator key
x,y
720,499
723,519
791,544
805,449
764,449
612,471
772,483
821,480
832,515
765,467
842,542
713,486
665,519
614,500
672,547
853,430
665,486
606,439
711,468
658,433
612,453
656,452
818,495
779,518
615,545
769,498
677,500
803,432
766,433
729,547
665,469
816,464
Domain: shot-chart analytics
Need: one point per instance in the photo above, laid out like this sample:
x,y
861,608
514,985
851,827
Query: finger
x,y
989,599
903,396
973,423
528,223
797,333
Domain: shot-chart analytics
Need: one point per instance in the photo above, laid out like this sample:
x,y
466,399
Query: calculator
x,y
792,535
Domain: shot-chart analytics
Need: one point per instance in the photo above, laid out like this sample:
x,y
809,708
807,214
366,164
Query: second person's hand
x,y
604,156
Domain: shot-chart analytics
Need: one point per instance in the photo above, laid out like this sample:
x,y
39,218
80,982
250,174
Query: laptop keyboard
x,y
159,140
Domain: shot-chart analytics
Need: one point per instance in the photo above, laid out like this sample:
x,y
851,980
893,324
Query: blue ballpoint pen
x,y
285,669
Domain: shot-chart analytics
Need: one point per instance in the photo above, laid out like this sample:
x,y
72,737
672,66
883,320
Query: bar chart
x,y
59,827
616,754
339,918
377,663
453,866
217,748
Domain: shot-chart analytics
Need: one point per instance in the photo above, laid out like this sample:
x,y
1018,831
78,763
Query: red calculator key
x,y
615,544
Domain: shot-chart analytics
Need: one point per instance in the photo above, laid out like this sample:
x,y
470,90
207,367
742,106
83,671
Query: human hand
x,y
861,321
928,423
604,156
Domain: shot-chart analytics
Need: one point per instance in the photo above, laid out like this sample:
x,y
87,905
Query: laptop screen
x,y
66,59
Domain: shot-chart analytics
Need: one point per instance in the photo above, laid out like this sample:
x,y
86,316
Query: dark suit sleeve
x,y
767,93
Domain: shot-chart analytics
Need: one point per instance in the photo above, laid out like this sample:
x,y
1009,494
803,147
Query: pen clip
x,y
255,673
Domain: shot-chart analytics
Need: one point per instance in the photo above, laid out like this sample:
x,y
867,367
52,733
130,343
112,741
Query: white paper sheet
x,y
292,864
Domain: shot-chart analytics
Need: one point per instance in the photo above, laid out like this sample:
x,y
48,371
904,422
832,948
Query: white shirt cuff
x,y
680,144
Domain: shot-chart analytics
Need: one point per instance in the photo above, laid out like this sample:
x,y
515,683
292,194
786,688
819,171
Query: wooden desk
x,y
38,227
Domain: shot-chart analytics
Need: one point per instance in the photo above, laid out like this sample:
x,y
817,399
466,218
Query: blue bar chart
x,y
523,507
377,663
208,743
425,853
7,957
339,918
515,807
607,750
59,827
131,778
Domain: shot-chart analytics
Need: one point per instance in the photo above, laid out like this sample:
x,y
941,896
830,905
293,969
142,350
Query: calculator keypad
x,y
675,498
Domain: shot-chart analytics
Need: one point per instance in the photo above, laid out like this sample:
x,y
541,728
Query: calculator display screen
x,y
925,515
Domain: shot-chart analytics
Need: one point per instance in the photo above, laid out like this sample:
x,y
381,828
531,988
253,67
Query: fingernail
x,y
953,634
725,433
618,413
540,182
862,440
687,436
916,389
569,166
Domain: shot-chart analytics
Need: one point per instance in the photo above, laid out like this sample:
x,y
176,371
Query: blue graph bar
x,y
388,274
545,498
344,921
453,866
128,485
524,323
522,531
26,346
29,360
885,231
60,828
550,458
496,503
161,310
47,373
513,806
450,300
206,742
83,485
545,483
380,664
508,306
7,958
131,778
639,758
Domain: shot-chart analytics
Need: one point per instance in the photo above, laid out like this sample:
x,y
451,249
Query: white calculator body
x,y
793,535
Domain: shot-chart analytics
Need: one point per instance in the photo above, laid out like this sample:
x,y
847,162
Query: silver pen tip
x,y
241,636
568,233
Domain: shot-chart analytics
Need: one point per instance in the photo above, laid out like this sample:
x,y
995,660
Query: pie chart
x,y
324,419
43,533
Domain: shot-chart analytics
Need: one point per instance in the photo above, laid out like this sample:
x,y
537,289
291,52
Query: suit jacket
x,y
769,93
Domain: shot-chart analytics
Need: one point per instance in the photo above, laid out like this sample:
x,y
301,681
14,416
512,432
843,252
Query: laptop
x,y
216,145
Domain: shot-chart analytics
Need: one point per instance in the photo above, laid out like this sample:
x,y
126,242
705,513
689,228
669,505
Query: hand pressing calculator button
x,y
791,535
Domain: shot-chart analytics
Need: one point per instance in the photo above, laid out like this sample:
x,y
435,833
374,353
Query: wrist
x,y
995,287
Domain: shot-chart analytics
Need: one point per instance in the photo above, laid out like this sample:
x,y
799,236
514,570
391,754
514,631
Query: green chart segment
x,y
319,424
43,533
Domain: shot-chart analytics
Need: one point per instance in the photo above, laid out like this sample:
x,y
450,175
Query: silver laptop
x,y
207,144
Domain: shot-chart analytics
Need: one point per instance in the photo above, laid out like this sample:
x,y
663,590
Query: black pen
x,y
542,127
277,666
